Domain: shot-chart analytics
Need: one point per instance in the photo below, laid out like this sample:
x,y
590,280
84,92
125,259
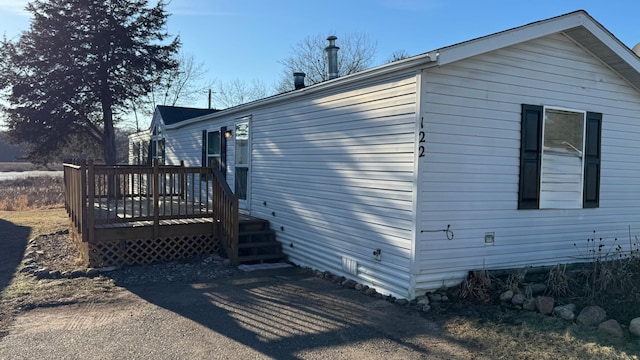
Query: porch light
x,y
228,134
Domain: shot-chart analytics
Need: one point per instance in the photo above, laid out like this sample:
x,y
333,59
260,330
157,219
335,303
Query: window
x,y
157,151
559,158
214,150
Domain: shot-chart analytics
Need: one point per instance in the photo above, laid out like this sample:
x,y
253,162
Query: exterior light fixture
x,y
228,134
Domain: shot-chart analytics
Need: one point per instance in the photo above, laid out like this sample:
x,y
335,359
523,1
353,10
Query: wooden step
x,y
256,236
259,244
253,225
261,257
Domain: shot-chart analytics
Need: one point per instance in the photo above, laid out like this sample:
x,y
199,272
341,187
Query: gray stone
x,y
42,274
634,326
567,312
78,273
370,292
359,287
29,268
611,328
435,297
537,288
402,302
92,272
444,298
518,299
529,304
506,296
423,301
426,308
591,316
544,304
349,284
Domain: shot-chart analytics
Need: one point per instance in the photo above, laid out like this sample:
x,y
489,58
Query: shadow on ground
x,y
13,242
289,314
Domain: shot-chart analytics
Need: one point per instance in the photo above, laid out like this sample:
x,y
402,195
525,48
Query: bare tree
x,y
356,54
398,55
238,92
179,87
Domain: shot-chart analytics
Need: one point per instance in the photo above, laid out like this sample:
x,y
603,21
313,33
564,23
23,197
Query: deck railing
x,y
98,195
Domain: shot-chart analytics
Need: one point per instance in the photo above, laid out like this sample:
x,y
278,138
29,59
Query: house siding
x,y
333,173
469,176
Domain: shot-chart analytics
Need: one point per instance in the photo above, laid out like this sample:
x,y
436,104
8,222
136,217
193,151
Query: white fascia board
x,y
511,37
415,62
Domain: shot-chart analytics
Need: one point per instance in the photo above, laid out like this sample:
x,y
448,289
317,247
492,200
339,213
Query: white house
x,y
499,152
149,144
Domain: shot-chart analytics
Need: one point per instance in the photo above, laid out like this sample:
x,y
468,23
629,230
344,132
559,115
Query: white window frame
x,y
543,203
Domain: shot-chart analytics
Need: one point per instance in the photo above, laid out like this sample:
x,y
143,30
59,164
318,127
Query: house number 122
x,y
422,139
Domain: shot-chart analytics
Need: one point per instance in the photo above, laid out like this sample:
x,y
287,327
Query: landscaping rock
x,y
567,312
634,326
426,308
611,328
537,288
435,297
544,304
402,302
506,296
518,299
529,304
444,298
370,292
78,273
91,272
591,316
42,274
349,284
423,300
359,287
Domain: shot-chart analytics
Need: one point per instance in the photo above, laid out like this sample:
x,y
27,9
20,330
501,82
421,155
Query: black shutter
x,y
223,151
530,157
591,191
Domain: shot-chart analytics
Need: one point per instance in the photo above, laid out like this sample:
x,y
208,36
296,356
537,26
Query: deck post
x,y
156,198
83,202
89,203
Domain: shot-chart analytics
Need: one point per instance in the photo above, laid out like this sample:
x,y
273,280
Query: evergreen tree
x,y
78,68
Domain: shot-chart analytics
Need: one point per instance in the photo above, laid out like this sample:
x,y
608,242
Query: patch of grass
x,y
26,166
32,193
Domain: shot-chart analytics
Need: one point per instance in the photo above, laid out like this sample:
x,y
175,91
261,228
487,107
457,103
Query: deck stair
x,y
257,243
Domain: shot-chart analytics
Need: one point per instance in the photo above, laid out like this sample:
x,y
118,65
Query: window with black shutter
x,y
559,158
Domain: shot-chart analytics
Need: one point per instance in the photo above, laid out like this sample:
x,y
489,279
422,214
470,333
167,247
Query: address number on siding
x,y
421,147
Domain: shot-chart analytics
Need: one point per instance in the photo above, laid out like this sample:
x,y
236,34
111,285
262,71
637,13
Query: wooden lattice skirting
x,y
146,251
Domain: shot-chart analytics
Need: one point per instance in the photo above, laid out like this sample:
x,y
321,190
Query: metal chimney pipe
x,y
332,57
298,80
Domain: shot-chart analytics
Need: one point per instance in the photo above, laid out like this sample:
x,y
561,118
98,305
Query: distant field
x,y
26,166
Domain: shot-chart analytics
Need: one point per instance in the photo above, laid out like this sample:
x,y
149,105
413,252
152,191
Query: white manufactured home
x,y
499,152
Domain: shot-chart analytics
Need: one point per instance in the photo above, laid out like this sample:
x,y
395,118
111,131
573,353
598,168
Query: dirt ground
x,y
485,331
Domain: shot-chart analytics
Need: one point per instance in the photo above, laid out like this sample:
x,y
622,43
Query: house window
x,y
213,149
157,150
559,158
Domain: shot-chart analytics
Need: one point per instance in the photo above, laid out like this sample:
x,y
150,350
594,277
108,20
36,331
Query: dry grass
x,y
32,193
26,166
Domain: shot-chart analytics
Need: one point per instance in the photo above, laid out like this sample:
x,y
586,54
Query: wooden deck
x,y
126,215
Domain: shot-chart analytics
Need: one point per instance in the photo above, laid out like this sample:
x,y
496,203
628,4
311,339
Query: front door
x,y
242,163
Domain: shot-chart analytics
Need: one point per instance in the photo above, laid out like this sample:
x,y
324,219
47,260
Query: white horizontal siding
x,y
333,173
469,176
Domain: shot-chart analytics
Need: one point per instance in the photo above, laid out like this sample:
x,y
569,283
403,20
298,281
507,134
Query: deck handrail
x,y
99,195
226,215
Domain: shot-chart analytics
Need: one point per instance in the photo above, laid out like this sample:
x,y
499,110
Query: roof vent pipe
x,y
332,57
298,80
